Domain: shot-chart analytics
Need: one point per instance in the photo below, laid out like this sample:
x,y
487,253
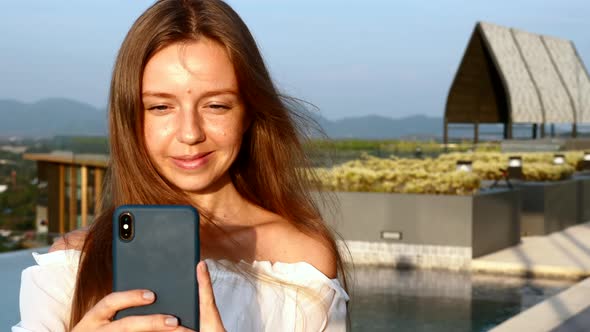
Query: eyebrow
x,y
205,94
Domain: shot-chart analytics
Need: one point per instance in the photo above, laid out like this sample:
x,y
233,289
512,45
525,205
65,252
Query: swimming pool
x,y
385,299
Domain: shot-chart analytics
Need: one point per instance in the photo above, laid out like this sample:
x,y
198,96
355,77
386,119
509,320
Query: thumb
x,y
210,318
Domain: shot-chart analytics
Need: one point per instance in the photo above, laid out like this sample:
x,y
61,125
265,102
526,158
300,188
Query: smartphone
x,y
156,247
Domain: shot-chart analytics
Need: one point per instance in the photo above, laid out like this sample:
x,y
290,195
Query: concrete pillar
x,y
574,130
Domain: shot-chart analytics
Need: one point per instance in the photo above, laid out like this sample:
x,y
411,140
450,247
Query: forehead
x,y
196,65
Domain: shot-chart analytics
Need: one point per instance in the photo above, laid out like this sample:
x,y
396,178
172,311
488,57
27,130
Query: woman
x,y
194,118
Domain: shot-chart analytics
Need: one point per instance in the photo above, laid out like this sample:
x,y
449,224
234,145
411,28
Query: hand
x,y
99,317
210,318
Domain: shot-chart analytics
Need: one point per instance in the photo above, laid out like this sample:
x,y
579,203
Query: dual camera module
x,y
126,226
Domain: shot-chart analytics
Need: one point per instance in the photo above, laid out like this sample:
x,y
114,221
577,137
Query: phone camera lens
x,y
126,226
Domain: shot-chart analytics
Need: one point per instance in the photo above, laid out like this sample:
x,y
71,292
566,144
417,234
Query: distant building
x,y
7,162
70,188
14,149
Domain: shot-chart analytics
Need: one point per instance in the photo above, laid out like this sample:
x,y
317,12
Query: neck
x,y
223,204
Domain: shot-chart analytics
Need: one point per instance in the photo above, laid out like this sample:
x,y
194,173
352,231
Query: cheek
x,y
227,131
156,135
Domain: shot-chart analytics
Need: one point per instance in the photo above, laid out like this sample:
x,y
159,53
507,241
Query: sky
x,y
349,58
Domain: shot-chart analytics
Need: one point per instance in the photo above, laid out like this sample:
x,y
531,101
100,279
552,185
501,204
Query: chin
x,y
189,185
196,183
193,188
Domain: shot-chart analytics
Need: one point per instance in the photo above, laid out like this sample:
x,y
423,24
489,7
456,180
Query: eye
x,y
158,108
218,107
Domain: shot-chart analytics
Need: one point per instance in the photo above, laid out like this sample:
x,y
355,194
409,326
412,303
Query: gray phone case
x,y
162,257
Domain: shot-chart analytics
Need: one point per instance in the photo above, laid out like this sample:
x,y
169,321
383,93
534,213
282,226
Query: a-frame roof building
x,y
515,77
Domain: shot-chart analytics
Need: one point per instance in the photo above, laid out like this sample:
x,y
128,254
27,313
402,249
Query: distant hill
x,y
66,117
51,117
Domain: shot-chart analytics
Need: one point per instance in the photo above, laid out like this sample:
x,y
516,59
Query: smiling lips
x,y
191,161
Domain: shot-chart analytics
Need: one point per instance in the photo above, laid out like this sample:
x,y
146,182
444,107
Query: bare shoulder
x,y
71,240
285,243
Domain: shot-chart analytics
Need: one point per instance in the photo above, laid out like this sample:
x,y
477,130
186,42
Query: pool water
x,y
385,299
382,299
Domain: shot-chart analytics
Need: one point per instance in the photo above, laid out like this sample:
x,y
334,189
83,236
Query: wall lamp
x,y
464,166
558,159
586,161
515,167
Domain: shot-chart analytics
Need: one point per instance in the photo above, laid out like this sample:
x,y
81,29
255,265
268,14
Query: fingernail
x,y
148,295
204,267
171,321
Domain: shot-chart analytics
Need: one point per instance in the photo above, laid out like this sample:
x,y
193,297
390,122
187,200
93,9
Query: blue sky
x,y
350,58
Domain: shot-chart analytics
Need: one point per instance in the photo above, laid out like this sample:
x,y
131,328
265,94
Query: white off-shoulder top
x,y
245,304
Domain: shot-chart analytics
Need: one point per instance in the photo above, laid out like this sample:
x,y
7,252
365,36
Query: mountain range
x,y
66,117
51,117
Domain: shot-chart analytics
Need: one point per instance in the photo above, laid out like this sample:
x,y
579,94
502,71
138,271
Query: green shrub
x,y
439,175
537,166
371,174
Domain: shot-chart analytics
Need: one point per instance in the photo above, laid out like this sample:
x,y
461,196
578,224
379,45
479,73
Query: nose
x,y
190,129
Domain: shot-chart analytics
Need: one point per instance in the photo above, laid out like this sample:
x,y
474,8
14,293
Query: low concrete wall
x,y
548,207
407,255
496,221
582,143
583,197
548,144
428,225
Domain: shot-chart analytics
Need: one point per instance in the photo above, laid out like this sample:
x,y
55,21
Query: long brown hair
x,y
271,146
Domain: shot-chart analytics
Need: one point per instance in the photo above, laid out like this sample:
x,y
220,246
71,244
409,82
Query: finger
x,y
207,308
206,297
179,329
145,323
106,308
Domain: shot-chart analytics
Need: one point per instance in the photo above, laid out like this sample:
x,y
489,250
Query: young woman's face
x,y
194,118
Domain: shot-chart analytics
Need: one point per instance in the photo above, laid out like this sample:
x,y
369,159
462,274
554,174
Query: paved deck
x,y
564,254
